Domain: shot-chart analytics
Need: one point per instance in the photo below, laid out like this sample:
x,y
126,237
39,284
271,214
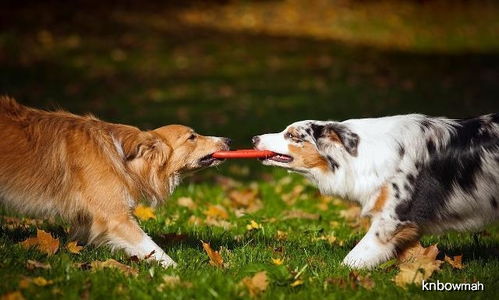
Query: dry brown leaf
x,y
111,263
417,264
364,281
196,221
215,257
246,199
216,211
456,262
256,284
300,214
351,214
173,282
43,241
73,247
144,213
290,198
16,295
33,264
187,202
210,221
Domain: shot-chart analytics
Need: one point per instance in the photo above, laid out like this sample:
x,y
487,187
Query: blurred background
x,y
239,68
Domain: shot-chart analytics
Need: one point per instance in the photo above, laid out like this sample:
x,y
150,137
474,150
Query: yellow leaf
x,y
215,257
73,247
111,263
33,264
40,281
253,225
256,284
12,296
217,211
43,241
187,202
281,235
277,261
456,261
296,283
144,213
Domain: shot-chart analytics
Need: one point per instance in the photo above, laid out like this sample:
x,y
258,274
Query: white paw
x,y
368,257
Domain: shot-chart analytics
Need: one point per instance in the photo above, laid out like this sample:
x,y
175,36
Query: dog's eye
x,y
192,137
288,135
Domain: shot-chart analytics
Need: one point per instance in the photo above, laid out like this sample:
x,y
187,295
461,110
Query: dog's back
x,y
48,158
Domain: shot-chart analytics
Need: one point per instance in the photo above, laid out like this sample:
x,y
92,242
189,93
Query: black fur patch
x,y
493,202
334,165
456,165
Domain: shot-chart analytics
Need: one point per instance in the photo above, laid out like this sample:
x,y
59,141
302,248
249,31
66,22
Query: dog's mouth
x,y
280,158
209,160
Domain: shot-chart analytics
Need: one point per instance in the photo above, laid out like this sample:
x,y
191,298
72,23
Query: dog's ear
x,y
143,145
335,133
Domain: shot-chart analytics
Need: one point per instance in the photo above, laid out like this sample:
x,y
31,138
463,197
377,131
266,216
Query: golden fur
x,y
92,173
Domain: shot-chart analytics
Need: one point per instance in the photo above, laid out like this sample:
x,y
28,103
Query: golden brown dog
x,y
92,173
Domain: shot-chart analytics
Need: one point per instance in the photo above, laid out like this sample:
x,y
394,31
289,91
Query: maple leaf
x,y
215,257
33,264
281,235
456,261
277,261
73,247
216,211
417,264
364,281
144,213
256,284
111,263
43,241
187,202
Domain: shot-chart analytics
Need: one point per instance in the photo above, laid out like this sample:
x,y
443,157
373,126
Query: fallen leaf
x,y
351,214
253,226
40,281
277,261
215,257
456,262
296,283
16,295
187,202
417,264
73,247
33,264
210,221
291,197
111,263
331,239
246,199
144,213
43,241
216,211
364,281
281,235
173,282
256,284
299,214
196,221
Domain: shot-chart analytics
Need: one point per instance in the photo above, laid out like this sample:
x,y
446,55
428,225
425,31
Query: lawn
x,y
232,72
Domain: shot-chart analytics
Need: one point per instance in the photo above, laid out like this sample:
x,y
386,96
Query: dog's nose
x,y
228,141
256,140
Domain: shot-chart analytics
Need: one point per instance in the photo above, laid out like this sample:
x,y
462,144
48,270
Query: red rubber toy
x,y
244,153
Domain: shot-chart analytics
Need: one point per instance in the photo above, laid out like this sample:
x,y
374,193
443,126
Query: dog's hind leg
x,y
382,241
123,232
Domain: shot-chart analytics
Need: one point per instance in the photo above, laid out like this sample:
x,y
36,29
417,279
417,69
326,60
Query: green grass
x,y
144,65
247,252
